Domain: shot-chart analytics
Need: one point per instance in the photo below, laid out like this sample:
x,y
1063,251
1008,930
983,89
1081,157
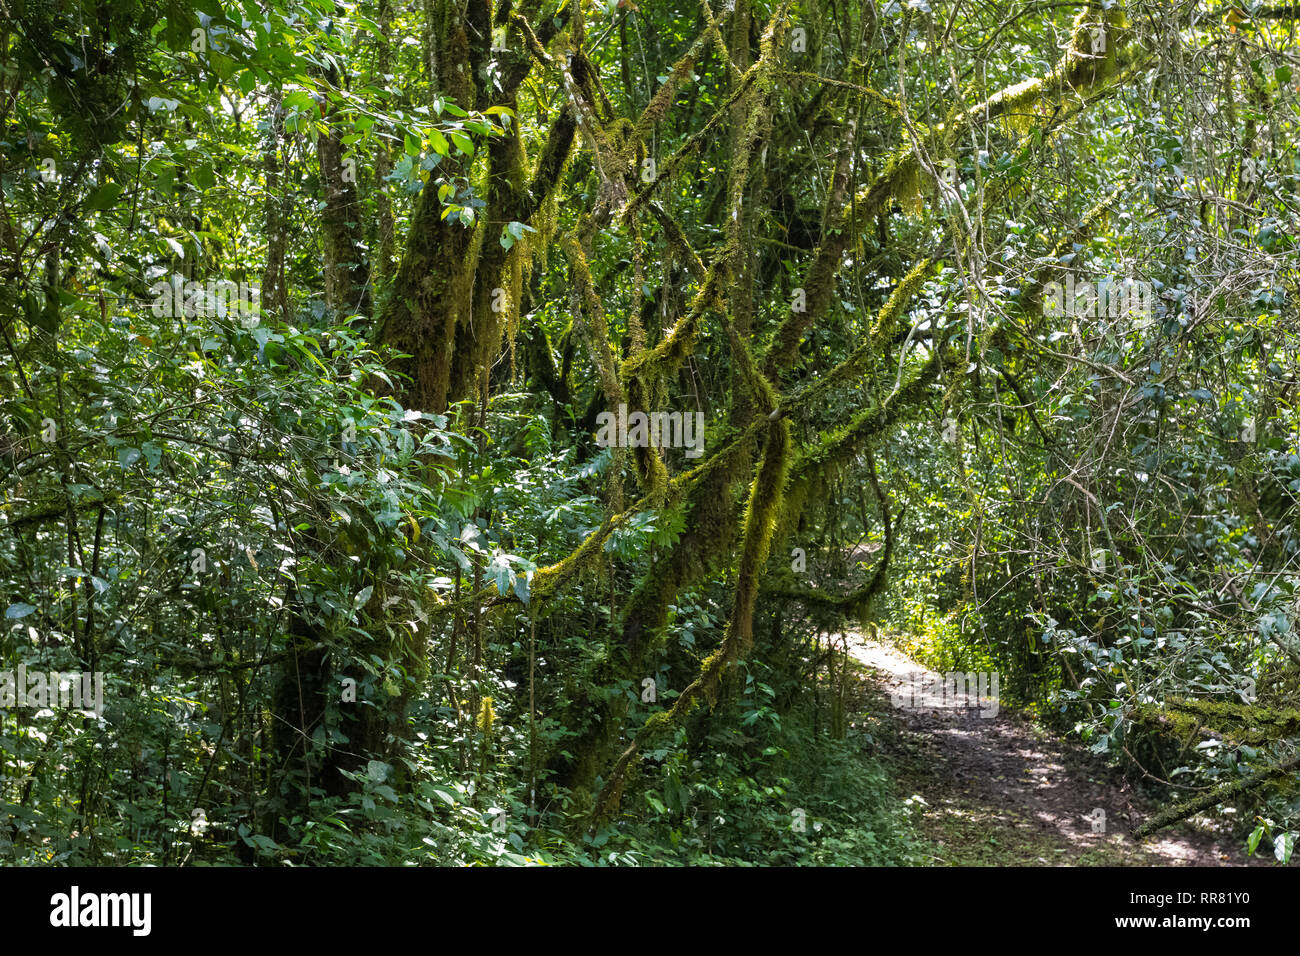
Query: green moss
x,y
847,441
595,329
1252,724
666,357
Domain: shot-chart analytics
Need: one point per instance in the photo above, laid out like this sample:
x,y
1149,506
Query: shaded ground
x,y
996,790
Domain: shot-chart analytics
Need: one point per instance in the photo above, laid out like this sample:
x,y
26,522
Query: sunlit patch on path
x,y
996,790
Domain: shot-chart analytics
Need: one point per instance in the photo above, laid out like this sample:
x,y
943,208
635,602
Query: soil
x,y
995,789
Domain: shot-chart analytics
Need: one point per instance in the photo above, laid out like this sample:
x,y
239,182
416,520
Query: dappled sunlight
x,y
996,784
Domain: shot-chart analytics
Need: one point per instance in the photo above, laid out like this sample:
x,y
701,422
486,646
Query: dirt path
x,y
999,791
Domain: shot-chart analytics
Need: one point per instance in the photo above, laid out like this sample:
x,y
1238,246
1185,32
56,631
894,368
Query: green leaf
x,y
103,197
514,231
16,612
463,143
403,169
500,572
405,444
1253,842
444,795
521,583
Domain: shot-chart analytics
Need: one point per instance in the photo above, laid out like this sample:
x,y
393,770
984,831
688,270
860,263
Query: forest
x,y
649,432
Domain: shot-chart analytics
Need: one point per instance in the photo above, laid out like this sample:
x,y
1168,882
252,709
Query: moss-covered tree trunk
x,y
433,291
346,273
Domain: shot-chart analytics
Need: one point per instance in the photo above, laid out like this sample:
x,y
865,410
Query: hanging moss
x,y
663,98
595,329
666,357
556,157
486,718
765,503
710,485
692,143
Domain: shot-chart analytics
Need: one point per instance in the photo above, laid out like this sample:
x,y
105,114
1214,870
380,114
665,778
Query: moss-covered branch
x,y
1251,724
761,517
1217,796
1077,74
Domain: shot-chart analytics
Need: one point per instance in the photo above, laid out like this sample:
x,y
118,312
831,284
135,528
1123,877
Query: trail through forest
x,y
999,790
